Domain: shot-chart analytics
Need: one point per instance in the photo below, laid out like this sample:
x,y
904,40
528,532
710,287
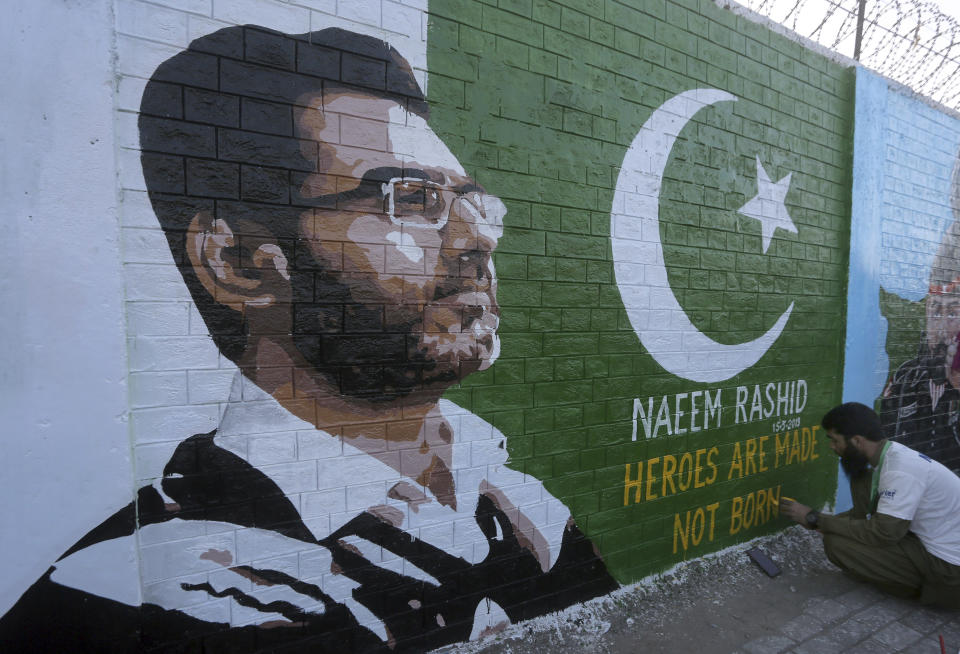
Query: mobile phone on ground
x,y
765,562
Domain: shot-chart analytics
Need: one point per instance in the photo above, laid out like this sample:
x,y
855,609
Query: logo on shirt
x,y
888,493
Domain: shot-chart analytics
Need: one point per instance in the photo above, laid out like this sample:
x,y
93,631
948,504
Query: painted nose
x,y
475,224
475,265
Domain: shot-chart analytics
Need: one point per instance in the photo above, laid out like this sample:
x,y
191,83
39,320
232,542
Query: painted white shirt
x,y
914,487
330,482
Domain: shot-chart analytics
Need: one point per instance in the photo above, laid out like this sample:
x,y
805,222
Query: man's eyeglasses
x,y
414,202
408,201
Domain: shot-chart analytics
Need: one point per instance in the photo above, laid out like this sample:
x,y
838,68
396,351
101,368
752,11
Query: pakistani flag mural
x,y
442,318
673,263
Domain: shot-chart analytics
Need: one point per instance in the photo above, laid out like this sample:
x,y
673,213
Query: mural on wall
x,y
901,350
340,256
672,268
920,405
441,320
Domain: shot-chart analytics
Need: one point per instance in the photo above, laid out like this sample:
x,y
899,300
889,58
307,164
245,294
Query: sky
x,y
913,62
948,7
811,15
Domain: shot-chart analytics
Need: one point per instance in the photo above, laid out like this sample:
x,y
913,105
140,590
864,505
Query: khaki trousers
x,y
904,569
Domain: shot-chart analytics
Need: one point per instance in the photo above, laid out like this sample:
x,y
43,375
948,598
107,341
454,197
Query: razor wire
x,y
910,41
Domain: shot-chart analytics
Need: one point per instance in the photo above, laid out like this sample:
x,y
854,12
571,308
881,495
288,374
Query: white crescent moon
x,y
656,316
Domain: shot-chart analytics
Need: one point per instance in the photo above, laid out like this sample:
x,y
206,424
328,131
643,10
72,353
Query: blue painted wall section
x,y
866,328
921,147
902,326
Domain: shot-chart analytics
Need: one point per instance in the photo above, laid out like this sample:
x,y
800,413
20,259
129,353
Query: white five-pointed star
x,y
767,206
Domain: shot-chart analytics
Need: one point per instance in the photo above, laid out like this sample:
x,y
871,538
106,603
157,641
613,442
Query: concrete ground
x,y
726,605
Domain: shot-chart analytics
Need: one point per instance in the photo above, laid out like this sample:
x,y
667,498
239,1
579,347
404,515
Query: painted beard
x,y
853,461
462,335
459,326
382,353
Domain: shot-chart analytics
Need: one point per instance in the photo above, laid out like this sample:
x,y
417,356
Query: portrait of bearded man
x,y
920,405
341,257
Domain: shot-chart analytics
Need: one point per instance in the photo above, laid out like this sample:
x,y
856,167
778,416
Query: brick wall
x,y
543,100
903,215
365,405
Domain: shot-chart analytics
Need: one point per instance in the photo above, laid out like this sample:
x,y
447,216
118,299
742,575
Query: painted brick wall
x,y
545,98
405,368
903,217
178,379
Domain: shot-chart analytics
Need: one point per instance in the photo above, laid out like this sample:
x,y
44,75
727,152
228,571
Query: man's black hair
x,y
853,419
217,135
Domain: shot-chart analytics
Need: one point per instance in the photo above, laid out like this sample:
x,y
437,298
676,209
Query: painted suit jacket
x,y
384,589
922,414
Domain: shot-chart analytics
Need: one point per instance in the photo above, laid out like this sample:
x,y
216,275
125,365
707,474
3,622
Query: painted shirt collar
x,y
330,481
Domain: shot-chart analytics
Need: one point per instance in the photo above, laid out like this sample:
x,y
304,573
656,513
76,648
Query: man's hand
x,y
795,511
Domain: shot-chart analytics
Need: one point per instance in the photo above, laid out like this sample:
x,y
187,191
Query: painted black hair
x,y
217,135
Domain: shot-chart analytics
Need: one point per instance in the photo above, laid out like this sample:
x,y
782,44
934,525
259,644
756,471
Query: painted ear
x,y
248,275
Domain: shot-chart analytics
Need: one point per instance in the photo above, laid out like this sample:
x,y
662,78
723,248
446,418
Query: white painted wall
x,y
178,380
63,399
86,276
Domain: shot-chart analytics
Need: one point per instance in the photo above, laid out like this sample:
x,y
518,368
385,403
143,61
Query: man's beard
x,y
380,354
474,347
853,461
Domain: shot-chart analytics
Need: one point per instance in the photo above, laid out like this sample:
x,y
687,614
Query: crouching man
x,y
903,532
